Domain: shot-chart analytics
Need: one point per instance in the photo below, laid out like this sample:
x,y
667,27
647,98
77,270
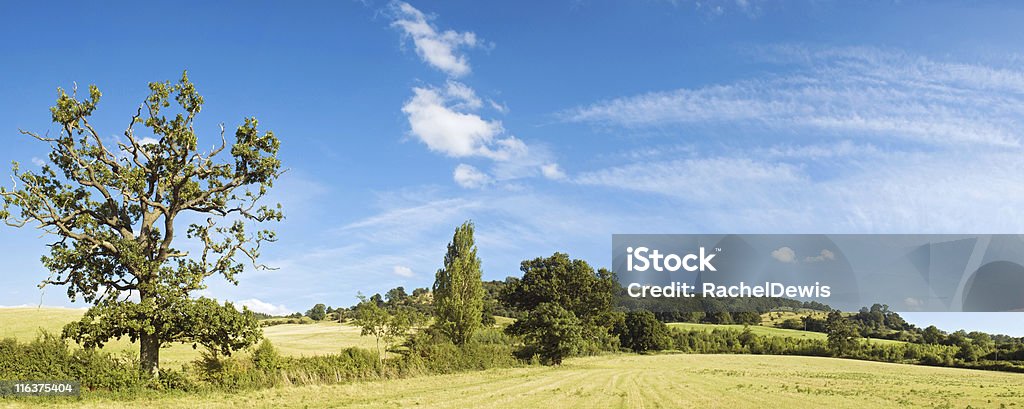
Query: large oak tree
x,y
116,206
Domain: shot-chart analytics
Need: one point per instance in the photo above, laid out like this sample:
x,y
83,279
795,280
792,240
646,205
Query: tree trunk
x,y
149,355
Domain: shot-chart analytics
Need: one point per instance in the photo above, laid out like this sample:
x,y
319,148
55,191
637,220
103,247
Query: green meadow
x,y
634,381
319,338
613,381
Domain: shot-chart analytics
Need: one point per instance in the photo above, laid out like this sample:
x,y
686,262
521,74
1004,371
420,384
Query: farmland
x,y
651,381
618,380
763,330
290,339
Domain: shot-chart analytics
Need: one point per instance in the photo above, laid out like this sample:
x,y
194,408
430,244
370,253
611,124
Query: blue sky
x,y
553,125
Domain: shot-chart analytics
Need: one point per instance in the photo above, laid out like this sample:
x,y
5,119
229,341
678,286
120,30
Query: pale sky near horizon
x,y
552,125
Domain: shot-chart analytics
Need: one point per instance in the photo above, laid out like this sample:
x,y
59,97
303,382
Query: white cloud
x,y
717,8
466,96
784,254
825,255
443,129
257,305
403,222
495,105
552,171
439,49
712,179
149,140
859,92
884,192
38,162
402,271
469,177
445,118
860,140
442,119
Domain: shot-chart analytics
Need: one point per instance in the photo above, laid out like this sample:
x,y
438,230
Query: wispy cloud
x,y
716,8
851,92
824,255
439,49
837,140
714,179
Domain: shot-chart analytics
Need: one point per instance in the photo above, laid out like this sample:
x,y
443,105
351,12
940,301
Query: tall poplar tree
x,y
458,291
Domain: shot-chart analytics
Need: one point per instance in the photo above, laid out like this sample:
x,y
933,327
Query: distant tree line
x,y
713,310
563,307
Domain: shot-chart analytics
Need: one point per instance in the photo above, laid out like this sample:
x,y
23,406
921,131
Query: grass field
x,y
775,318
632,381
766,331
290,339
652,381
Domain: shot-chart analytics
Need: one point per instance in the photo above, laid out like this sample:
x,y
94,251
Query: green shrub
x,y
50,357
493,336
101,370
178,380
352,363
446,357
232,373
266,358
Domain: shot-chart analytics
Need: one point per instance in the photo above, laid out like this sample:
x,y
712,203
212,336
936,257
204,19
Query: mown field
x,y
764,330
290,339
632,381
615,381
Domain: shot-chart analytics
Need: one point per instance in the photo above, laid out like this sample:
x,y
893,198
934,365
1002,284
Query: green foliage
x,y
742,310
114,212
49,357
317,313
494,305
458,292
571,286
551,332
842,338
266,358
431,352
396,297
792,323
569,283
385,326
281,321
446,357
350,364
373,320
641,332
199,321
